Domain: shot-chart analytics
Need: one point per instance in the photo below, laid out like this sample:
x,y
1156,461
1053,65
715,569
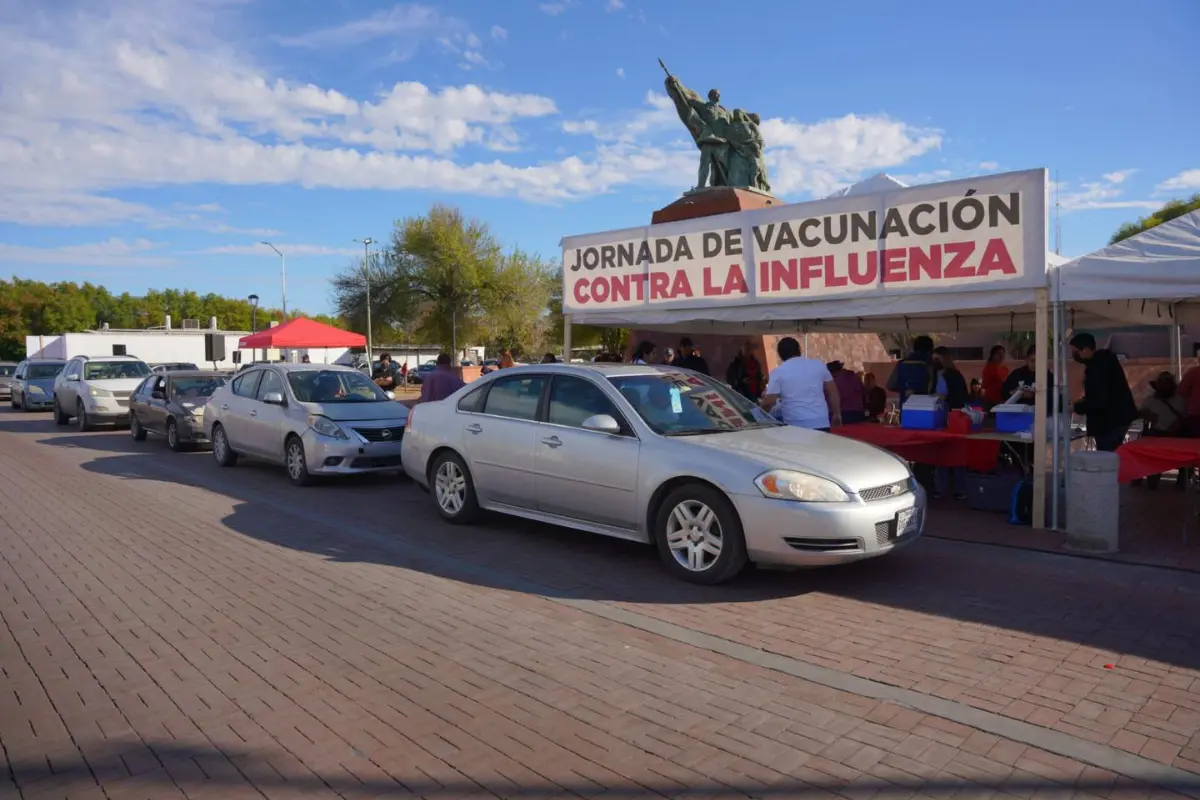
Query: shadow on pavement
x,y
165,765
384,520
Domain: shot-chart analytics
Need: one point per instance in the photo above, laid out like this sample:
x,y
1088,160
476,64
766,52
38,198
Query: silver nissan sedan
x,y
664,456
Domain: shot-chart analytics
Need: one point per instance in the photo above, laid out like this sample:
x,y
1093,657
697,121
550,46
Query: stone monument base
x,y
711,201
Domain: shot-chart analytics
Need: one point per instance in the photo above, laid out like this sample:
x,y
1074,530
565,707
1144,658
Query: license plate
x,y
908,521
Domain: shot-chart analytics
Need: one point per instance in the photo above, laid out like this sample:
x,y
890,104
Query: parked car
x,y
314,419
7,369
418,375
33,384
172,405
489,366
664,456
96,389
175,366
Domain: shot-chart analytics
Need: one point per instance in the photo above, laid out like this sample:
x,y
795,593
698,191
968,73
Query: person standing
x,y
745,374
1189,390
645,353
506,360
851,393
1024,379
689,358
386,375
1107,401
876,397
1165,413
994,375
915,374
952,386
803,389
442,382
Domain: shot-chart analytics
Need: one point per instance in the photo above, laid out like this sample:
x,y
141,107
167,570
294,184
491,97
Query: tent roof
x,y
301,333
876,183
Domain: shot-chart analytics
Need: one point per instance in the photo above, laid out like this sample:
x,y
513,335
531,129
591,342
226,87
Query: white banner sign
x,y
951,236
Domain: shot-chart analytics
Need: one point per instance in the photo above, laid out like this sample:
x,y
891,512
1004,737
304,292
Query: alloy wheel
x,y
694,535
450,488
295,461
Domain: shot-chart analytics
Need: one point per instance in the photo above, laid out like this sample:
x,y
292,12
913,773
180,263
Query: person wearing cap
x,y
688,357
851,392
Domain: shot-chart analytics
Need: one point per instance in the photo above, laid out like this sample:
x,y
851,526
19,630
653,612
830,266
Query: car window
x,y
7,370
143,388
271,382
516,397
247,385
334,386
20,373
684,403
573,400
114,370
41,371
196,388
472,401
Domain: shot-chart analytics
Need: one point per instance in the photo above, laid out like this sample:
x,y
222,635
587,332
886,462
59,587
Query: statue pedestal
x,y
712,201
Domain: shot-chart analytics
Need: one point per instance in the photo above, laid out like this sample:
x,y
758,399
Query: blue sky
x,y
154,143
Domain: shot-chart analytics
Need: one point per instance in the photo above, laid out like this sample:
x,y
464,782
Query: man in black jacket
x,y
1107,401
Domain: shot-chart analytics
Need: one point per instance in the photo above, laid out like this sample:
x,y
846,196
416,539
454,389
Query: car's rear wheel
x,y
699,535
81,418
296,462
173,440
135,429
223,454
60,416
453,489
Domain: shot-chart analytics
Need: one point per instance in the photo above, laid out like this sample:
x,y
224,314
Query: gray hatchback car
x,y
172,404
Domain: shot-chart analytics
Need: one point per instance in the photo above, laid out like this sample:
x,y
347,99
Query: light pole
x,y
366,243
253,319
282,276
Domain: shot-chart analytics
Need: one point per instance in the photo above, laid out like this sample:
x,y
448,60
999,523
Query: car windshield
x,y
35,371
334,386
198,388
683,403
6,370
114,370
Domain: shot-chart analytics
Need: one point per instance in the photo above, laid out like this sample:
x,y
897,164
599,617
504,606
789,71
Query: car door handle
x,y
474,428
254,413
225,406
552,441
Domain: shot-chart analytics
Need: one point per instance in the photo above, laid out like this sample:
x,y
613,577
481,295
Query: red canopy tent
x,y
301,333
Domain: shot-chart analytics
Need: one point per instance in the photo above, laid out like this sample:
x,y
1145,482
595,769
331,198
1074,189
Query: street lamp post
x,y
282,285
366,243
253,319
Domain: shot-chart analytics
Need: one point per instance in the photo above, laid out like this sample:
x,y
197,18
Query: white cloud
x,y
109,253
1186,181
989,166
614,5
499,33
555,8
620,72
404,27
1104,193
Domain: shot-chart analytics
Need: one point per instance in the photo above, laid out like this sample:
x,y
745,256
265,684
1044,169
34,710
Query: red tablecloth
x,y
936,448
1154,455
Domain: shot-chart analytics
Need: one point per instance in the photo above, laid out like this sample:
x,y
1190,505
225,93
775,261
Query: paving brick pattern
x,y
172,629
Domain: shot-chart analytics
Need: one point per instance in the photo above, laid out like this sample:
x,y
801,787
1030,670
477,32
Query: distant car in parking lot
x,y
96,389
7,369
172,405
665,456
313,419
33,384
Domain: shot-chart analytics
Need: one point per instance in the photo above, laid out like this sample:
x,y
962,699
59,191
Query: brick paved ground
x,y
173,629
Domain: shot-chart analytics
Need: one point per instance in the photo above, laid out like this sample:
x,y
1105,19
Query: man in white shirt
x,y
804,390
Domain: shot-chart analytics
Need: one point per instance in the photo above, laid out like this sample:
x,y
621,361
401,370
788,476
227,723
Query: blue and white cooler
x,y
923,412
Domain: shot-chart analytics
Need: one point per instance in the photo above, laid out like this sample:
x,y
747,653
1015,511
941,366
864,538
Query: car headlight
x,y
35,389
95,392
786,484
326,427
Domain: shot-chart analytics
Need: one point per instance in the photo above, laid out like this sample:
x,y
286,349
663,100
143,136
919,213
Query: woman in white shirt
x,y
645,353
804,390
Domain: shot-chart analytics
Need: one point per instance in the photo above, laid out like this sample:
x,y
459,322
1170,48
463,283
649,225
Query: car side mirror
x,y
602,423
390,395
273,399
74,376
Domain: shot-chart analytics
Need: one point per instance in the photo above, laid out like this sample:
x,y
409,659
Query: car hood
x,y
855,465
117,384
359,412
45,384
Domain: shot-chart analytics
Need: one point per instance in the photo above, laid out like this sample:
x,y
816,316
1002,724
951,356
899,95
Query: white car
x,y
665,456
96,389
314,419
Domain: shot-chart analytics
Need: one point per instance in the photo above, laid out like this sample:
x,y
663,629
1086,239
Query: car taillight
x,y
408,421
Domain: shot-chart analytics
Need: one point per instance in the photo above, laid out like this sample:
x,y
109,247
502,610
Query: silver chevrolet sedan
x,y
665,456
314,419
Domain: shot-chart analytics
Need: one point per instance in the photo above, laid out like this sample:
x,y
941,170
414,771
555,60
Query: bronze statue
x,y
731,145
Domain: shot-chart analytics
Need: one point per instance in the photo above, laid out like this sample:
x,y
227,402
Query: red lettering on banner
x,y
996,258
810,270
639,281
893,265
958,267
867,276
581,295
600,290
930,263
831,277
735,281
681,285
619,289
782,275
658,286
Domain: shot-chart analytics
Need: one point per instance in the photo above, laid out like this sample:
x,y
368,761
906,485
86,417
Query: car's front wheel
x,y
699,535
81,418
60,417
296,462
173,440
453,489
135,429
223,454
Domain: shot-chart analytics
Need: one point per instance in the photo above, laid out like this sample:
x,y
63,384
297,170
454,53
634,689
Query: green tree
x,y
1169,211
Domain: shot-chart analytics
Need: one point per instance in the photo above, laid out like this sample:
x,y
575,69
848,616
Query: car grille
x,y
381,434
886,491
885,532
823,545
375,462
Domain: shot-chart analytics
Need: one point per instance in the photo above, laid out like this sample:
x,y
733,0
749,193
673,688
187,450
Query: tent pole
x,y
566,338
1056,431
1042,337
1177,351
